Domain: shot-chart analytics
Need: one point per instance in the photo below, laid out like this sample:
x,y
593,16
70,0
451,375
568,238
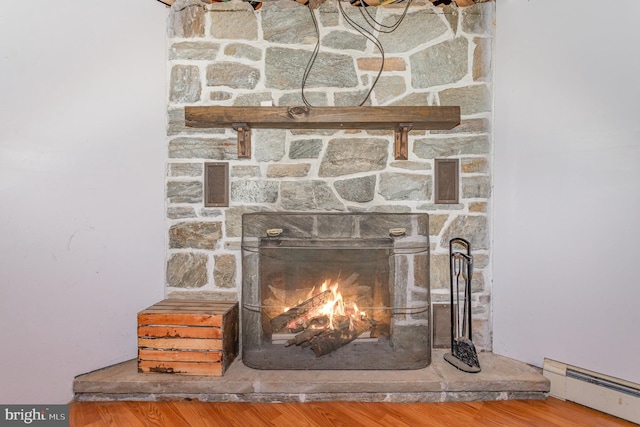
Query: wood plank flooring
x,y
512,413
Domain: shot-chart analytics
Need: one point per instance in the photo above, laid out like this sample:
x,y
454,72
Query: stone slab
x,y
501,378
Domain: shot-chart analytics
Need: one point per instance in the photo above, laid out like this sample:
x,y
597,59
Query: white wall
x,y
82,147
567,184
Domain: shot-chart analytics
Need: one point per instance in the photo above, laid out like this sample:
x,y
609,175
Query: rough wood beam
x,y
316,3
389,117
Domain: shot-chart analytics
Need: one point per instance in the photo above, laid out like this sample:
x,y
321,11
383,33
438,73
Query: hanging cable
x,y
364,32
312,60
389,28
371,38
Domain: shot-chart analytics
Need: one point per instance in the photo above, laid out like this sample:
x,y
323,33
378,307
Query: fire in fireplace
x,y
335,291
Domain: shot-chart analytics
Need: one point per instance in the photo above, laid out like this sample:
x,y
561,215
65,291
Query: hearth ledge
x,y
501,379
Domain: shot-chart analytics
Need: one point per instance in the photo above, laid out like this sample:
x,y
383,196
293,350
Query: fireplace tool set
x,y
463,353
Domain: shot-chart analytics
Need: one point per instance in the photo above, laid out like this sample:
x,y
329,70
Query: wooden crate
x,y
188,337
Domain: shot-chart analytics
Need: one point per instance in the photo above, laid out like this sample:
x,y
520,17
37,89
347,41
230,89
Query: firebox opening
x,y
335,291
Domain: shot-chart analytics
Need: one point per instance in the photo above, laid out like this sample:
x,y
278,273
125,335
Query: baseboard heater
x,y
610,395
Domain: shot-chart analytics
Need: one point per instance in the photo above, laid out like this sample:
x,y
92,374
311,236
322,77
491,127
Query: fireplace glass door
x,y
335,291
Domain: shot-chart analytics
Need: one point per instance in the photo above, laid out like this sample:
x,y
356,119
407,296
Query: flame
x,y
336,305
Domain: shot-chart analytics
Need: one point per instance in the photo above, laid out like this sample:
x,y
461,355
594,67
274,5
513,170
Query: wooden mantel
x,y
437,2
400,119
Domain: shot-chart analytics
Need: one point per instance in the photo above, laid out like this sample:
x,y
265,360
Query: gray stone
x,y
308,195
241,14
431,148
245,171
194,50
284,69
288,170
317,99
421,272
480,260
467,126
415,99
328,14
359,190
471,99
429,207
210,213
439,271
186,19
203,148
187,270
482,60
411,165
388,88
269,144
436,383
344,40
402,186
233,219
401,286
476,187
441,64
452,17
352,99
436,222
352,155
234,75
185,84
218,95
287,22
478,19
175,125
224,271
184,191
196,235
391,209
305,148
474,228
425,23
254,191
252,99
178,212
203,294
185,169
242,50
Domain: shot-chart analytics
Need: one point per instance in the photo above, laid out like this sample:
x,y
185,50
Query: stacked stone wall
x,y
230,54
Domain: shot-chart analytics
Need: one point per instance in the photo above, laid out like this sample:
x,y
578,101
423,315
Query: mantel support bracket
x,y
401,134
244,140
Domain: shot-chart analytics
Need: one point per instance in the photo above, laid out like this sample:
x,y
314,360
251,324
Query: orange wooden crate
x,y
188,337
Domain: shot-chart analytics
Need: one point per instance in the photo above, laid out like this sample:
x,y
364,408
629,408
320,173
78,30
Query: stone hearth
x,y
501,379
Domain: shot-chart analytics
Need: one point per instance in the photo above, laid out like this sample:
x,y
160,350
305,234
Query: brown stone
x,y
390,64
224,271
197,235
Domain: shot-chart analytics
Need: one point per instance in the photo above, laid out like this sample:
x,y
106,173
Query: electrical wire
x,y
361,30
389,28
312,60
369,35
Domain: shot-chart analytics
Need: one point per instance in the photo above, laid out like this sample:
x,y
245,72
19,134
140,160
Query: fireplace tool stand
x,y
463,353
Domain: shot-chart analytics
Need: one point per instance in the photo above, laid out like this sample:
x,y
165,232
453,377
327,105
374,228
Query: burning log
x,y
305,338
281,321
331,340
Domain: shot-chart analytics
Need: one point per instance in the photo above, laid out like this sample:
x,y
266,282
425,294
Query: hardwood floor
x,y
551,412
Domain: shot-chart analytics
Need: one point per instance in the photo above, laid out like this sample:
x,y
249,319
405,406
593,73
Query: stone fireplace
x,y
229,54
321,188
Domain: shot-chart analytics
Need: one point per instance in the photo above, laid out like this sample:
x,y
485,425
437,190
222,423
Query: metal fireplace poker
x,y
463,353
